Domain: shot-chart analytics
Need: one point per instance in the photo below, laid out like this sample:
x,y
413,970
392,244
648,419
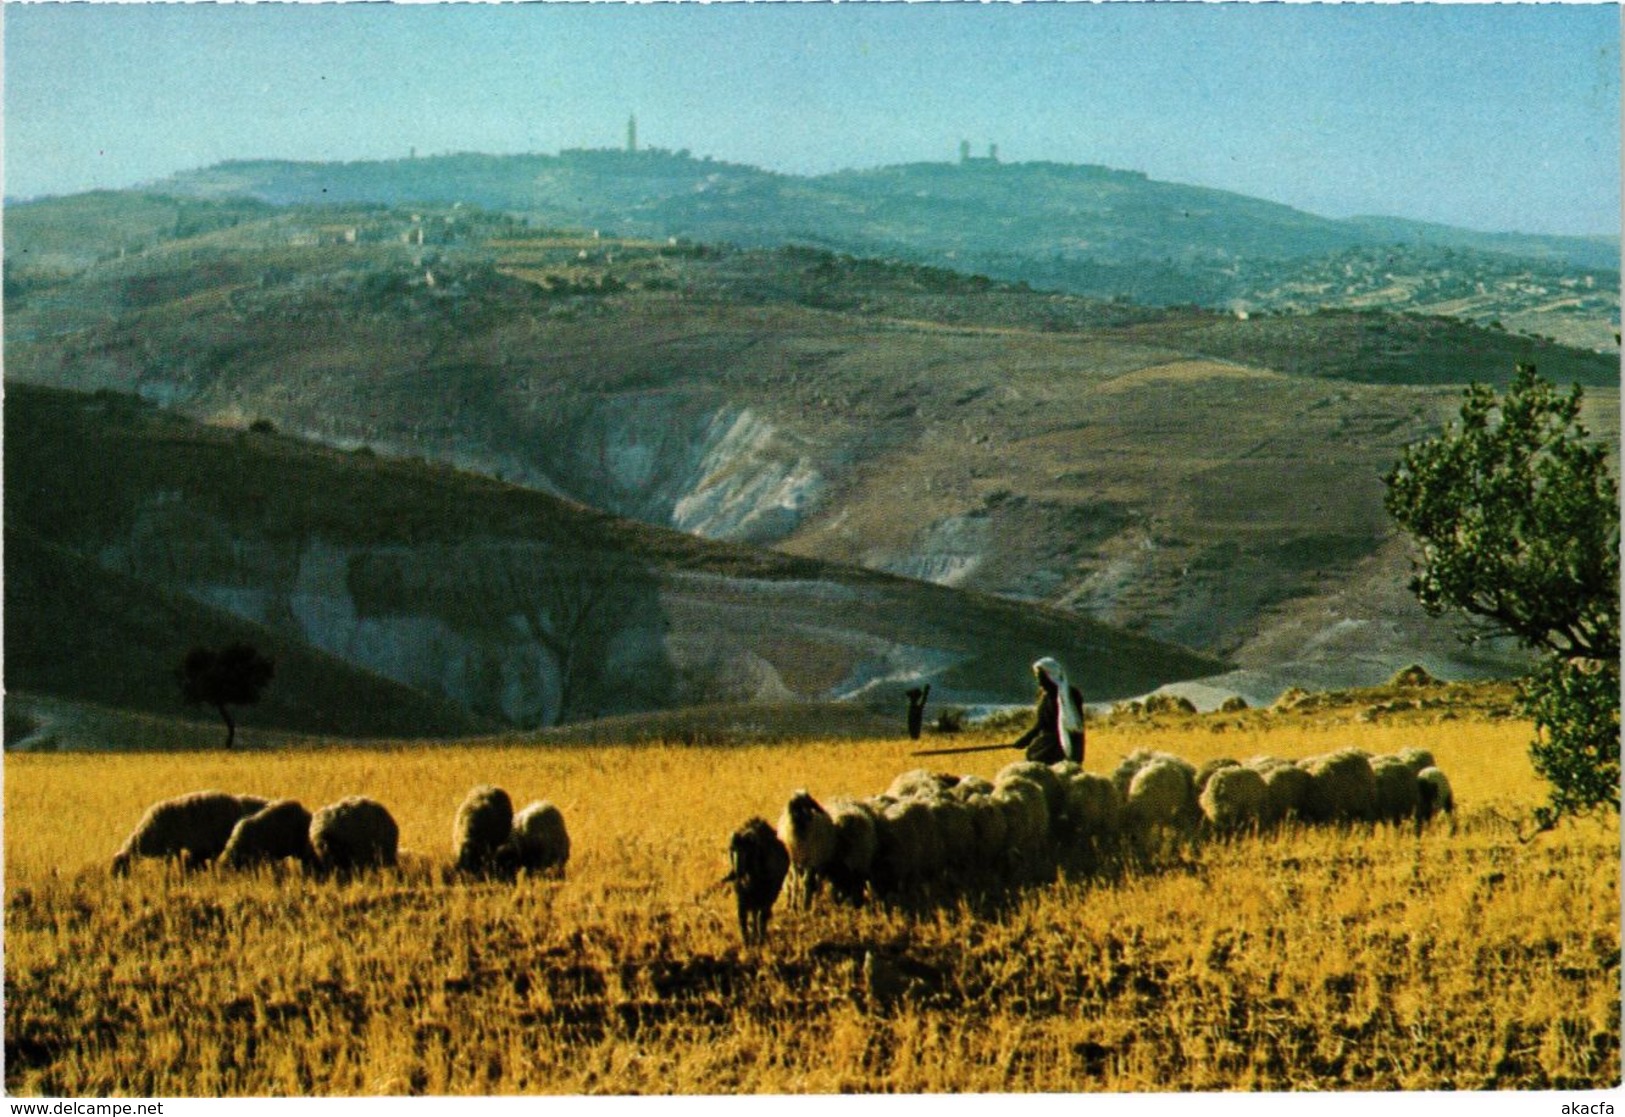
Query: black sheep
x,y
759,863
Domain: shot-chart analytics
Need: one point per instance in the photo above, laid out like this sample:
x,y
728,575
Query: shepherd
x,y
1057,732
916,709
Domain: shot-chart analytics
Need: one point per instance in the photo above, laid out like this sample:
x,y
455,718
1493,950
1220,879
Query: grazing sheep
x,y
1416,759
1286,786
808,833
539,841
353,834
956,834
1159,794
193,828
274,833
852,865
1093,806
971,787
906,850
1264,763
1342,787
1234,799
1397,790
1205,773
1053,787
1027,821
920,783
483,825
1433,794
758,863
992,831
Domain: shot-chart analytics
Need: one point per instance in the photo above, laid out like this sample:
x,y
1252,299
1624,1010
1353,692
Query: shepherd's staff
x,y
967,748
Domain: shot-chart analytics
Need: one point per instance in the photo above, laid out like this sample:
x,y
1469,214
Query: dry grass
x,y
1369,958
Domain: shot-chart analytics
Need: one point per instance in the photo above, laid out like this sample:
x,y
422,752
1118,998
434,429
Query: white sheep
x,y
482,826
274,833
1027,821
192,828
539,841
852,864
1397,794
1342,787
1044,776
1434,794
353,834
1234,799
921,783
1131,765
956,834
988,820
1286,786
971,787
1093,807
808,833
907,849
1160,793
1416,759
1205,773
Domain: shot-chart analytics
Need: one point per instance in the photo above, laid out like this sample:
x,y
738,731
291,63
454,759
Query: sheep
x,y
1234,799
353,834
1416,759
1123,775
906,849
1159,794
192,828
1285,788
1093,806
1342,787
1027,822
758,863
1433,794
852,865
483,824
275,832
1205,773
808,833
971,787
1053,787
1397,789
919,783
539,841
988,821
956,834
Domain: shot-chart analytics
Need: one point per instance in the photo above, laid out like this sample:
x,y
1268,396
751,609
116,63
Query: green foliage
x,y
1576,707
1518,520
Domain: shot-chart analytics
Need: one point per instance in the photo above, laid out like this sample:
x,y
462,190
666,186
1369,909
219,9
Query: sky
x,y
1494,117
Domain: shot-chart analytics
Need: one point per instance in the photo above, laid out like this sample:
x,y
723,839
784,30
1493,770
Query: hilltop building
x,y
632,133
965,157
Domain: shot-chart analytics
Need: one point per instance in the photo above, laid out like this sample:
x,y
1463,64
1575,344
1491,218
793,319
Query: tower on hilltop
x,y
632,132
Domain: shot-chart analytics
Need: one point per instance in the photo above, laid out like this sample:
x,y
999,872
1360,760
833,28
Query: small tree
x,y
1517,517
233,676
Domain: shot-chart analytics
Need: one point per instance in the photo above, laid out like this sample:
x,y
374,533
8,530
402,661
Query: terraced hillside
x,y
400,596
1194,476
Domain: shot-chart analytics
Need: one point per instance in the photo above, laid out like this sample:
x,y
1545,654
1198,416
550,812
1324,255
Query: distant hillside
x,y
1198,476
403,598
1083,229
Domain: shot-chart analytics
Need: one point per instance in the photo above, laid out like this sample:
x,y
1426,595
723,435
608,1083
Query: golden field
x,y
1364,958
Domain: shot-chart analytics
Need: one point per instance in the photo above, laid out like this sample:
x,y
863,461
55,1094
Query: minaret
x,y
632,133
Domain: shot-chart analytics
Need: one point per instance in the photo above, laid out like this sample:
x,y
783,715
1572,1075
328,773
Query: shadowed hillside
x,y
514,606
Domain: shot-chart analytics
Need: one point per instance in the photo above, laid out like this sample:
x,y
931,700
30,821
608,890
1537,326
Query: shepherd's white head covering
x,y
1069,716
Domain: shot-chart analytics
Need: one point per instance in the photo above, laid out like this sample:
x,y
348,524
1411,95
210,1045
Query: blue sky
x,y
1491,117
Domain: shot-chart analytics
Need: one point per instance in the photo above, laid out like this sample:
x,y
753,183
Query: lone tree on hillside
x,y
233,676
1517,517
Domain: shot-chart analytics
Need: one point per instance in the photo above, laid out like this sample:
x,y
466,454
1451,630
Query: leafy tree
x,y
233,676
1517,517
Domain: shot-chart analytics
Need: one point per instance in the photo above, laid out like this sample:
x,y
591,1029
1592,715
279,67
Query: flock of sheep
x,y
353,835
925,828
929,827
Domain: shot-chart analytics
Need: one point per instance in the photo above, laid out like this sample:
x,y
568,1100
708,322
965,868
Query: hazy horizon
x,y
1496,118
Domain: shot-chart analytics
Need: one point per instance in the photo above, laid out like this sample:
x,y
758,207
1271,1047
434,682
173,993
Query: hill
x,y
453,590
1084,229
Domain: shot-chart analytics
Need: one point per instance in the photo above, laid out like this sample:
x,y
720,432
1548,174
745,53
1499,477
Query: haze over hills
x,y
1193,475
1083,229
